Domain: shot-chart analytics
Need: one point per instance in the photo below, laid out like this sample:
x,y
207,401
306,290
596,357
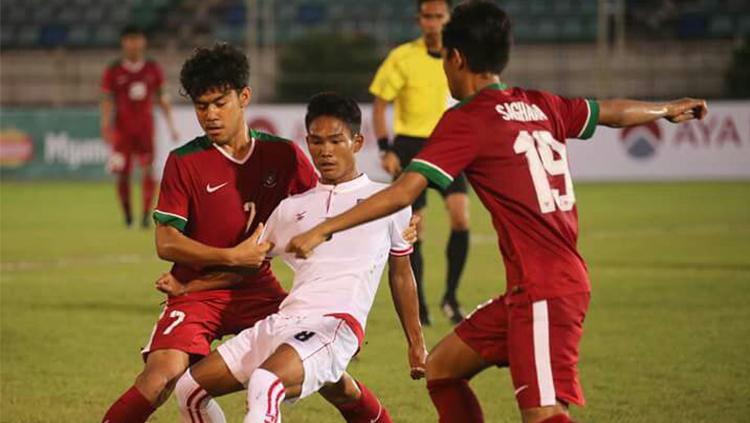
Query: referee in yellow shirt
x,y
412,78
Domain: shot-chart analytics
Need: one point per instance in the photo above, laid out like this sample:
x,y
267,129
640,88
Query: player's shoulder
x,y
192,147
405,49
280,147
114,64
295,201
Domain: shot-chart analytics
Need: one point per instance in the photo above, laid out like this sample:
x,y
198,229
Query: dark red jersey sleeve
x,y
578,116
304,177
451,148
174,196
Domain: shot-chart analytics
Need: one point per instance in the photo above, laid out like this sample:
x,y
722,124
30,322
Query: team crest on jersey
x,y
301,215
270,179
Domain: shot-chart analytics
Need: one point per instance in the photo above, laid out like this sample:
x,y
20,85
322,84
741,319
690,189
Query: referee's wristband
x,y
384,144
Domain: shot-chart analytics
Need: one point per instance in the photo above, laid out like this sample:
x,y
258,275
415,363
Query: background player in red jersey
x,y
130,86
214,191
510,142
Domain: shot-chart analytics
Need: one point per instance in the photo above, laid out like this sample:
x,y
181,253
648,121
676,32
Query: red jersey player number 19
x,y
521,142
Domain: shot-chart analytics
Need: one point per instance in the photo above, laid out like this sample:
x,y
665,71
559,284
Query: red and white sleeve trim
x,y
405,252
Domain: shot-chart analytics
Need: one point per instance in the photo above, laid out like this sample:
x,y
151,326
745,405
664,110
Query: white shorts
x,y
326,345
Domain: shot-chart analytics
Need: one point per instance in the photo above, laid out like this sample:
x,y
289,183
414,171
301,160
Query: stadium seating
x,y
95,23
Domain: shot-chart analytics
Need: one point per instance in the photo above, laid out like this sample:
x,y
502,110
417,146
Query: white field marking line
x,y
491,238
67,262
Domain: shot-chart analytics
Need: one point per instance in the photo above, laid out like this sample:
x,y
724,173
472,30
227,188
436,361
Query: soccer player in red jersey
x,y
130,86
215,190
510,142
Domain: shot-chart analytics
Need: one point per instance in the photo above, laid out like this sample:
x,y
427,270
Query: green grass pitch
x,y
667,336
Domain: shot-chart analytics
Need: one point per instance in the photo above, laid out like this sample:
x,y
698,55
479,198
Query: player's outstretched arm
x,y
169,285
400,194
619,113
172,245
404,293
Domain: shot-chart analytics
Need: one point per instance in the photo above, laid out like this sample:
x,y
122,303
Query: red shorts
x,y
191,325
537,340
129,148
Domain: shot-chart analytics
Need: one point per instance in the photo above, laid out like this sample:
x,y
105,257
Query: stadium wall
x,y
65,144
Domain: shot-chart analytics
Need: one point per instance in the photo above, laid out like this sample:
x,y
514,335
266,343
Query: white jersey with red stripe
x,y
343,274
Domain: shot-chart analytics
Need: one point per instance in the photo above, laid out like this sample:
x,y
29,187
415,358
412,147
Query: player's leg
x,y
151,388
184,329
355,402
457,203
544,340
148,181
197,388
120,165
311,353
478,342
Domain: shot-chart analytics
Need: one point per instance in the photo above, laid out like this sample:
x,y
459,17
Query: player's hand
x,y
686,109
411,234
417,361
169,285
303,244
250,253
391,163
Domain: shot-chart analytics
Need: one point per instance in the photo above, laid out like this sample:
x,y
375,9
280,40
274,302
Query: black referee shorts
x,y
406,148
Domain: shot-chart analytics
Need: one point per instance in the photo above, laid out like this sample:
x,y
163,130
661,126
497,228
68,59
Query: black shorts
x,y
406,148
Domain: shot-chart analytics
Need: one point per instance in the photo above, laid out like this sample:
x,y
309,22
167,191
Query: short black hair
x,y
222,67
481,31
334,105
131,29
419,3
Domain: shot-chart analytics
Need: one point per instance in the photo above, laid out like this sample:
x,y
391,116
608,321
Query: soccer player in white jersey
x,y
319,327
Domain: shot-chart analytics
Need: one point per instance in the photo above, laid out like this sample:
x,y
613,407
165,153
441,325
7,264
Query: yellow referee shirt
x,y
414,81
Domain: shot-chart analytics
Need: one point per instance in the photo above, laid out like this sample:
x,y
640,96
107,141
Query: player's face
x,y
332,147
221,113
133,46
433,15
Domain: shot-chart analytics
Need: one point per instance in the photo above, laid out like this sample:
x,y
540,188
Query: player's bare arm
x,y
398,195
171,286
404,294
107,110
620,113
166,107
172,245
390,160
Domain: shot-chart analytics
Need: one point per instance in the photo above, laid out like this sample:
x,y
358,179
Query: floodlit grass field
x,y
667,337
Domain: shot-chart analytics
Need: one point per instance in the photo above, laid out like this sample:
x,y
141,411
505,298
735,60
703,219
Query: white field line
x,y
68,262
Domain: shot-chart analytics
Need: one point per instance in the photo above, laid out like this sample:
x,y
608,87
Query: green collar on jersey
x,y
499,86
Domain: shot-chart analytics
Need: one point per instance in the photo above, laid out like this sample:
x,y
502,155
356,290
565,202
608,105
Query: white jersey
x,y
342,275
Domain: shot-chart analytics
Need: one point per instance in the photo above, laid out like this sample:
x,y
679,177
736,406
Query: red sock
x,y
149,185
123,193
455,401
131,407
365,410
560,418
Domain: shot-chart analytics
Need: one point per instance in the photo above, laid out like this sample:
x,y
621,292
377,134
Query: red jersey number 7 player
x,y
511,144
130,87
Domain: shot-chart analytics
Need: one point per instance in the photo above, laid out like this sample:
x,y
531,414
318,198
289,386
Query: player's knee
x,y
437,366
156,383
342,392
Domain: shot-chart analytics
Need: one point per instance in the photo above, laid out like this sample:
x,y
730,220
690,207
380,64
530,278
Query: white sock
x,y
265,392
195,403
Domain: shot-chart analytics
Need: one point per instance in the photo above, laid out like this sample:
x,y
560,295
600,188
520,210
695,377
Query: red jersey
x,y
510,143
206,194
132,88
